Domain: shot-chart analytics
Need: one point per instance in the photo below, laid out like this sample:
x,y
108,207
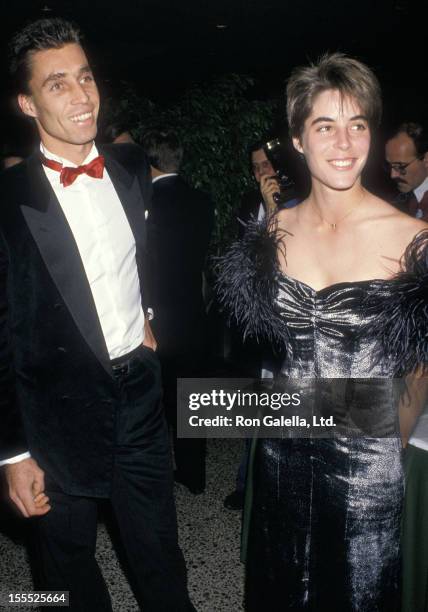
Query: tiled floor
x,y
209,537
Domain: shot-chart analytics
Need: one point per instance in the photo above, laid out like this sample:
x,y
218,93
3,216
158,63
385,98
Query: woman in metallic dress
x,y
341,282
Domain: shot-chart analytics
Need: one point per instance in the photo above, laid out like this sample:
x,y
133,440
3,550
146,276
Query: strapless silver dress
x,y
324,525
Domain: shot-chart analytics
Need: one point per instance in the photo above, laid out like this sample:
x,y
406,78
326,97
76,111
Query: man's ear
x,y
26,104
425,160
297,145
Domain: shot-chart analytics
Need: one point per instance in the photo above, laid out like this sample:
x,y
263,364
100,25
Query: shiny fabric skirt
x,y
325,525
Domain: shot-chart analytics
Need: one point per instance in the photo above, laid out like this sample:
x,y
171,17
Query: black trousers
x,y
189,453
142,502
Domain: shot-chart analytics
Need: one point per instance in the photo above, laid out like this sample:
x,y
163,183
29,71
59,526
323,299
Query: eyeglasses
x,y
399,167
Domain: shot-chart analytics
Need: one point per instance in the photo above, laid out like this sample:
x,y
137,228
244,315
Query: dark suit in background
x,y
179,226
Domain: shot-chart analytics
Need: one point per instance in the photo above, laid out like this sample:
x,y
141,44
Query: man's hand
x,y
269,186
149,339
26,482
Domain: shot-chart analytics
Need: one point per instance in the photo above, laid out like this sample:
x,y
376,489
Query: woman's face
x,y
335,141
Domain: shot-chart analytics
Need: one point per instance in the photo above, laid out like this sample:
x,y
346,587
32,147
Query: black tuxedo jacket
x,y
179,228
57,390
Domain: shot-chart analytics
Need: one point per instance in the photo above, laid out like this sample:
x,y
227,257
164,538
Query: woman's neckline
x,y
336,285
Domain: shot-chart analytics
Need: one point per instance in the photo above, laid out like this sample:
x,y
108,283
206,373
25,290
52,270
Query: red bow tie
x,y
68,175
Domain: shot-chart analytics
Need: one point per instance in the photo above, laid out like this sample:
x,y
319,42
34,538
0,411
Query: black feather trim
x,y
247,282
398,311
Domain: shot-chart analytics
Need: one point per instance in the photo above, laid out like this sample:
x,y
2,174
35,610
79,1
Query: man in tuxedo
x,y
180,224
406,153
79,376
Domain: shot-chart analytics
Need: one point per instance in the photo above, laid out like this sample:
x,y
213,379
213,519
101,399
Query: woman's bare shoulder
x,y
392,219
392,228
286,217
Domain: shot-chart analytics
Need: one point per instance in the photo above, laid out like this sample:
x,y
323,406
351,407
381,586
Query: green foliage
x,y
216,123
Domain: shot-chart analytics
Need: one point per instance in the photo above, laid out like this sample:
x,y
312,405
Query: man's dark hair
x,y
163,150
110,131
417,132
39,35
256,146
260,144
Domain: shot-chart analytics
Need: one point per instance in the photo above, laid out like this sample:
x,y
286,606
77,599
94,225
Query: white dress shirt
x,y
106,246
162,176
420,191
107,249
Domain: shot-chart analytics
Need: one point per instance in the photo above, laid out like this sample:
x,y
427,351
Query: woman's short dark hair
x,y
333,71
39,35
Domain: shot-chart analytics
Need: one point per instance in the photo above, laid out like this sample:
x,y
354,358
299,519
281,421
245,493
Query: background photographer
x,y
260,201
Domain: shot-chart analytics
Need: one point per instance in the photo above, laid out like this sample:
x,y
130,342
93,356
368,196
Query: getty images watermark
x,y
296,408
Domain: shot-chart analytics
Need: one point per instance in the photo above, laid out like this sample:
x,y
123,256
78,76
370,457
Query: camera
x,y
276,155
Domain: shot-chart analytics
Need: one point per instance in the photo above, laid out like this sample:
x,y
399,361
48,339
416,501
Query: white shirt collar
x,y
66,162
162,176
420,191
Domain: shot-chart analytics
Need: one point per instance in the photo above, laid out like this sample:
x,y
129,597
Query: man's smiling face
x,y
63,100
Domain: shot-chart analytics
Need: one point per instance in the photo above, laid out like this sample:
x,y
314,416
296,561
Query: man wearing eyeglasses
x,y
406,154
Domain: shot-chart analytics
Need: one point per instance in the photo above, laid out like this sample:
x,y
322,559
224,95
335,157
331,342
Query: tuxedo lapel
x,y
128,189
58,248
